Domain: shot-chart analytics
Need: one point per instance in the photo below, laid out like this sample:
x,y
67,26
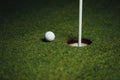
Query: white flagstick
x,y
80,24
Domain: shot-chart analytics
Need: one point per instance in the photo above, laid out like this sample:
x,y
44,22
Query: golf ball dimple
x,y
49,36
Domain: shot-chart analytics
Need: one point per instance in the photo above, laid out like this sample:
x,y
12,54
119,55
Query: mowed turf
x,y
24,56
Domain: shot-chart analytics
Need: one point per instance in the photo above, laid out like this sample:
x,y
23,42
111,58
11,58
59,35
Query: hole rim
x,y
75,40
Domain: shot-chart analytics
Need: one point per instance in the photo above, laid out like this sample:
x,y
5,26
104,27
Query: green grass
x,y
24,56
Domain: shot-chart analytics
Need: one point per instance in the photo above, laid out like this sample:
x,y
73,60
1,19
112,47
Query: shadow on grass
x,y
44,40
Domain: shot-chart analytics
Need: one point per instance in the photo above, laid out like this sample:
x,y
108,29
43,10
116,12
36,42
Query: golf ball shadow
x,y
44,40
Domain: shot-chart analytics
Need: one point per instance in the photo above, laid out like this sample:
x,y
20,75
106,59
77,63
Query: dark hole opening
x,y
75,40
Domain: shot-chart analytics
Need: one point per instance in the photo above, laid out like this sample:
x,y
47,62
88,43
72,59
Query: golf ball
x,y
49,36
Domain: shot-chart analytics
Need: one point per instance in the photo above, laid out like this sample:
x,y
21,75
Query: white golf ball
x,y
49,36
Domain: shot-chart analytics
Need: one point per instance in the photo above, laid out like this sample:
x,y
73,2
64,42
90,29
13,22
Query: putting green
x,y
25,56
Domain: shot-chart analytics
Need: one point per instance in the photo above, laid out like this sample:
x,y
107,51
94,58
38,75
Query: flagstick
x,y
80,24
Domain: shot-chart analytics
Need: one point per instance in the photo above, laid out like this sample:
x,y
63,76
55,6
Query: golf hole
x,y
74,42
